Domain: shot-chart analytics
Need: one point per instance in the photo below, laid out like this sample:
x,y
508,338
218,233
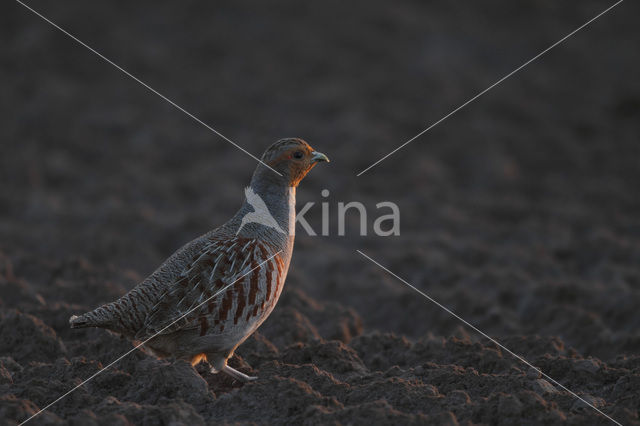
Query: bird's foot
x,y
235,374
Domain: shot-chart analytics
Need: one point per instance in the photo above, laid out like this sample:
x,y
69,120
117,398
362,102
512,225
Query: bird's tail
x,y
97,318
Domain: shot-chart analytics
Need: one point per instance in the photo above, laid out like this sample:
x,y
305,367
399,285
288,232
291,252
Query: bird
x,y
210,295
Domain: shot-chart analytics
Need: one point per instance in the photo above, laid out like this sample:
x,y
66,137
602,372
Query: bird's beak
x,y
318,157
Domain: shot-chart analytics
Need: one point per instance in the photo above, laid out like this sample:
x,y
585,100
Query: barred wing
x,y
192,299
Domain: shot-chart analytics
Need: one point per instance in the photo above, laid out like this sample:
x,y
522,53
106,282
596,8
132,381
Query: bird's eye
x,y
298,154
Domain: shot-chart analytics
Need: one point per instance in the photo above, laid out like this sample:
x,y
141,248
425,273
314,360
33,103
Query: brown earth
x,y
521,213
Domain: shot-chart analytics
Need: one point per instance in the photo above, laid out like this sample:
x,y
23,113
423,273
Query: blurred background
x,y
521,212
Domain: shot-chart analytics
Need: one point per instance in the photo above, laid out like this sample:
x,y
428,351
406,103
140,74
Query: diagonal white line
x,y
133,77
488,337
145,341
490,87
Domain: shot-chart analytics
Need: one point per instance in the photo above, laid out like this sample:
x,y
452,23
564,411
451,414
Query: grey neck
x,y
279,199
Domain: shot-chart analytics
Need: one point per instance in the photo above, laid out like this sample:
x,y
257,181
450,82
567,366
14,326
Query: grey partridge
x,y
174,310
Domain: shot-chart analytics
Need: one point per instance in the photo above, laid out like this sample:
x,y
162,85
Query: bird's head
x,y
293,158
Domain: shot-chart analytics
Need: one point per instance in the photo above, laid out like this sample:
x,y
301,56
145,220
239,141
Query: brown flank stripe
x,y
225,307
265,255
241,301
280,265
253,287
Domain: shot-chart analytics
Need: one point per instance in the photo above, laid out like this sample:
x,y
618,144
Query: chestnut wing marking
x,y
220,264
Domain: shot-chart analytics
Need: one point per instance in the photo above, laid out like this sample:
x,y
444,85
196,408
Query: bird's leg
x,y
238,375
219,363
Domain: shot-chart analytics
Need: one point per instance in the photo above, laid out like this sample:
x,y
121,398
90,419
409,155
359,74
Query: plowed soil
x,y
520,213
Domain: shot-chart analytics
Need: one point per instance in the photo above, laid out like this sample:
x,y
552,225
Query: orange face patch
x,y
298,167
